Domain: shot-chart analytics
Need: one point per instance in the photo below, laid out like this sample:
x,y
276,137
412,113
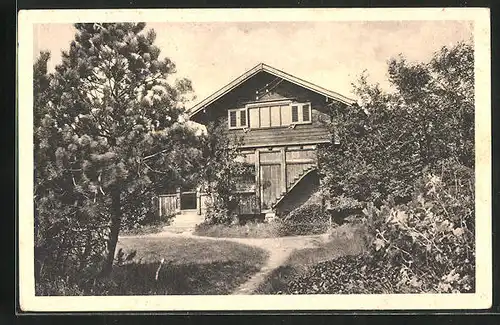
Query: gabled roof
x,y
273,71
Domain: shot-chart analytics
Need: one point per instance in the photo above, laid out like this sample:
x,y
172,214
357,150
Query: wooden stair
x,y
291,184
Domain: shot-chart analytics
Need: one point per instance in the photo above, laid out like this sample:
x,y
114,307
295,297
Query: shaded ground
x,y
279,259
277,250
191,266
343,241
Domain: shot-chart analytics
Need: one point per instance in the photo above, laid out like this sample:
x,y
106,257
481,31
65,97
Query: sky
x,y
329,54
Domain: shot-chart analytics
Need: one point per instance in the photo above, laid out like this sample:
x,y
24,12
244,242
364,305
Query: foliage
x,y
345,240
426,245
307,219
222,171
388,141
109,133
407,157
431,239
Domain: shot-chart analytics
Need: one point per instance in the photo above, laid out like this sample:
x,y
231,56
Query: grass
x,y
248,230
151,228
191,266
343,240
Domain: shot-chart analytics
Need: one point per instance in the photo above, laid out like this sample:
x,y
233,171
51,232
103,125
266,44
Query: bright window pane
x,y
265,118
254,117
275,116
286,115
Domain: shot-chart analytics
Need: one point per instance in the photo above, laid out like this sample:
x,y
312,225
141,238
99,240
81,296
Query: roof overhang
x,y
273,71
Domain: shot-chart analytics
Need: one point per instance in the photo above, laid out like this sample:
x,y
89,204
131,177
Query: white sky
x,y
330,54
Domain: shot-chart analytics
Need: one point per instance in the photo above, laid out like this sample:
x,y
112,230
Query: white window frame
x,y
287,103
238,118
300,113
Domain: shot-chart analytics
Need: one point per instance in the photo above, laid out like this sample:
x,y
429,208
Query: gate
x,y
168,204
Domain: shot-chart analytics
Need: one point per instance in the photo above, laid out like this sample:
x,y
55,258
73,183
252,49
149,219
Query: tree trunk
x,y
115,229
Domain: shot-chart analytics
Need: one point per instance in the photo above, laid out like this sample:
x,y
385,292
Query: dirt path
x,y
279,250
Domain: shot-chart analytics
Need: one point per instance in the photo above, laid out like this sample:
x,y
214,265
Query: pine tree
x,y
114,127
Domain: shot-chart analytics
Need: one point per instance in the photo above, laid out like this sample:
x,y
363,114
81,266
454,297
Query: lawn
x,y
151,228
345,240
248,230
191,266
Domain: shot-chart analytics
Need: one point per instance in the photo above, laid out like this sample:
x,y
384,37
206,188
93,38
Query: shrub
x,y
305,220
385,143
430,239
426,245
216,214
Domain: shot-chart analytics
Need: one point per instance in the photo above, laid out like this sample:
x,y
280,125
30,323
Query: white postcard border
x,y
480,300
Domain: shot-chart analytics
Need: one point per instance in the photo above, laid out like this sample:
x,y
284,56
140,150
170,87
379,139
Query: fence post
x,y
159,206
178,201
198,201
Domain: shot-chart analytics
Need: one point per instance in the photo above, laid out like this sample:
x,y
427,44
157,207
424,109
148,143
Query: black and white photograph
x,y
254,159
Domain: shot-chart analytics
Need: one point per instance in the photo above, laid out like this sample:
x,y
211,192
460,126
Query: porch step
x,y
269,216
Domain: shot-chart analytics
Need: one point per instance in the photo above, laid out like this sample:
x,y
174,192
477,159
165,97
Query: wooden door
x,y
270,184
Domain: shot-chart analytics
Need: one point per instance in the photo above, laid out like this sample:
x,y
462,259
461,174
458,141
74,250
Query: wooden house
x,y
281,119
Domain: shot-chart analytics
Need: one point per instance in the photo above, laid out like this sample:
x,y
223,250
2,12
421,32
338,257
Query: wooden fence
x,y
169,204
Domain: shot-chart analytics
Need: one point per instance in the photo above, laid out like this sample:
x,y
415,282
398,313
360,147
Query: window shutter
x,y
243,118
305,113
295,113
232,119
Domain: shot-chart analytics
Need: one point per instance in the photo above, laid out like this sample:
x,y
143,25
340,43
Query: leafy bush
x,y
431,239
218,214
222,172
426,245
388,141
307,219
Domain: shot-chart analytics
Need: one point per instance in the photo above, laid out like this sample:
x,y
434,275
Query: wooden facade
x,y
281,120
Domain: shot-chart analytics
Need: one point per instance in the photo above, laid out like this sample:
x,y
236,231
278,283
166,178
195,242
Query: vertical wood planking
x,y
270,183
257,179
167,204
283,171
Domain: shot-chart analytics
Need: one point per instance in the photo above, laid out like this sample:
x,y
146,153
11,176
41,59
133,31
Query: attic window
x,y
301,113
237,118
278,114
